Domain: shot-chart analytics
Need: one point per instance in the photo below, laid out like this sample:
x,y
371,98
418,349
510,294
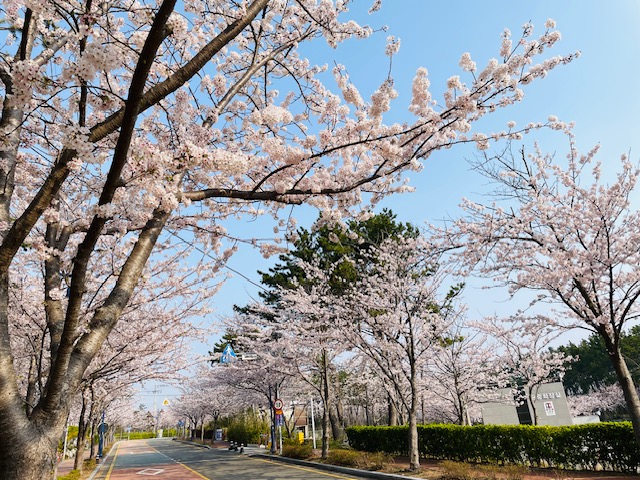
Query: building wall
x,y
550,402
551,405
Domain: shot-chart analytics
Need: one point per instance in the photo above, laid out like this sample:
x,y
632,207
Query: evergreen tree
x,y
593,367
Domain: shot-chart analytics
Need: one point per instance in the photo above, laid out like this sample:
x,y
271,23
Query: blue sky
x,y
596,91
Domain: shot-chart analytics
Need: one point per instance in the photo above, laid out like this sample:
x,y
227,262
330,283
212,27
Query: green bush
x,y
246,428
299,451
610,446
392,440
140,435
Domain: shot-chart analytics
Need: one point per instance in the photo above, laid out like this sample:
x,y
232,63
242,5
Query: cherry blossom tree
x,y
134,127
389,313
523,345
396,317
566,233
367,397
203,395
465,367
297,336
597,400
255,381
592,368
136,350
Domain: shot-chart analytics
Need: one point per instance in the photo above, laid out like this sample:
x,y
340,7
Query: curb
x,y
102,461
195,444
335,468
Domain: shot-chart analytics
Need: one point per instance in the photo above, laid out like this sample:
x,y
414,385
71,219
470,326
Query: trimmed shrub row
x,y
610,446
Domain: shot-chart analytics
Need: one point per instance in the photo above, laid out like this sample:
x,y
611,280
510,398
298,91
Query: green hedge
x,y
246,428
138,435
610,446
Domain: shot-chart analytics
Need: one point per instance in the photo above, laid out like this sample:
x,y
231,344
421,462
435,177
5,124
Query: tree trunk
x,y
94,429
393,412
82,434
27,457
30,399
628,389
340,412
414,452
336,427
325,432
531,400
326,405
28,448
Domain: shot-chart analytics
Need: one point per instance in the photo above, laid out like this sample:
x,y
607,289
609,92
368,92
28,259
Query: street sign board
x,y
279,411
278,404
228,355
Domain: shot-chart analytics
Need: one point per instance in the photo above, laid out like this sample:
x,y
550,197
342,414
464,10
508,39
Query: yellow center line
x,y
193,471
319,472
113,462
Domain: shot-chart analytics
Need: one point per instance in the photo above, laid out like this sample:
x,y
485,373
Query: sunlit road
x,y
166,459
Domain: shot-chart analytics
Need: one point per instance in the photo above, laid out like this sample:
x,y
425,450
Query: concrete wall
x,y
549,400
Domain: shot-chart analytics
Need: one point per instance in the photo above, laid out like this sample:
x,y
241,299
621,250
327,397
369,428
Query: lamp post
x,y
216,414
102,429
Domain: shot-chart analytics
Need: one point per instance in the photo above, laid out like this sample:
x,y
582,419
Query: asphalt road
x,y
168,460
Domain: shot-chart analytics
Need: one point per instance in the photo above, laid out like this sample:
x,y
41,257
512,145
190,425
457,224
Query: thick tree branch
x,y
183,74
81,261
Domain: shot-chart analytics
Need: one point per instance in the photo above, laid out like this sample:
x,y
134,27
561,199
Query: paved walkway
x,y
65,466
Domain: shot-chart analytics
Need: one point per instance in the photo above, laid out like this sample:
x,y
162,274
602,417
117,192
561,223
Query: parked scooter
x,y
235,446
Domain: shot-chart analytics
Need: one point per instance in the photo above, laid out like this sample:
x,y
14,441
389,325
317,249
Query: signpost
x,y
278,404
228,355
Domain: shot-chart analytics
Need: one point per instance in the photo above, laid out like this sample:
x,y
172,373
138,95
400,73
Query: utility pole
x,y
155,410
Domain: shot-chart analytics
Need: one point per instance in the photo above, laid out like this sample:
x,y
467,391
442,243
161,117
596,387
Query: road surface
x,y
164,459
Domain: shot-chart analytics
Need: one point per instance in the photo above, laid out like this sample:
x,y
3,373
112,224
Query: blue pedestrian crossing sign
x,y
228,355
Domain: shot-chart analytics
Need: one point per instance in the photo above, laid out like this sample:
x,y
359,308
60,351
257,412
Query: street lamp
x,y
216,414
